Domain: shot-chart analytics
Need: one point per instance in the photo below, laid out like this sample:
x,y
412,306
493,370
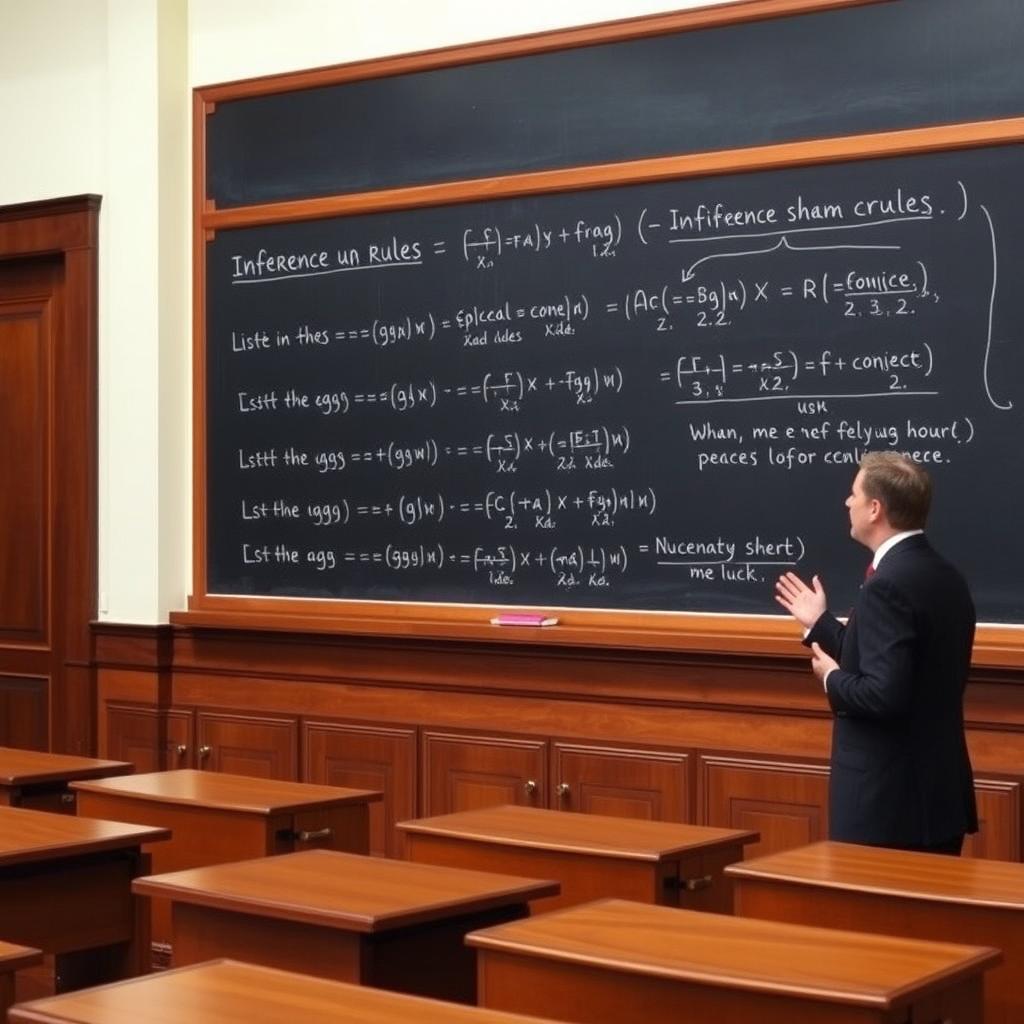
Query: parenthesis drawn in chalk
x,y
803,551
618,231
640,225
963,190
931,359
991,310
924,279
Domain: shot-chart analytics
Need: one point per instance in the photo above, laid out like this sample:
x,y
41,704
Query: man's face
x,y
863,511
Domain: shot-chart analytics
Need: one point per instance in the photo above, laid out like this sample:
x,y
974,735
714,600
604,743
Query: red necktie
x,y
869,571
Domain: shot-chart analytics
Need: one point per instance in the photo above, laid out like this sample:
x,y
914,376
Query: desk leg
x,y
6,994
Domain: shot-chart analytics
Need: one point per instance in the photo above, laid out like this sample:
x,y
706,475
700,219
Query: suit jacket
x,y
900,773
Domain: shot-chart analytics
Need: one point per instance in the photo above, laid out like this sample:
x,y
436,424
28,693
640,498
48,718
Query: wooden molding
x,y
124,645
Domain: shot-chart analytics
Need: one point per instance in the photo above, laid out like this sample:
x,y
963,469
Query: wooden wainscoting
x,y
443,726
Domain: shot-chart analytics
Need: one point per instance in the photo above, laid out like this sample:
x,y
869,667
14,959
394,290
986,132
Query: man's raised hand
x,y
805,603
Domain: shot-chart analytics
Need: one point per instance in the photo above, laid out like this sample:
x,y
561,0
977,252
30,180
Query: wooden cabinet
x,y
466,771
621,782
998,835
434,771
463,771
260,746
133,734
180,739
786,802
361,756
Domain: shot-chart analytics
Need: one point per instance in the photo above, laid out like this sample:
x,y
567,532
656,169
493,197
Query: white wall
x,y
94,97
52,98
84,108
234,39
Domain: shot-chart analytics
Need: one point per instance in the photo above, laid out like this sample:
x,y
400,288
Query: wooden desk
x,y
39,781
217,818
13,958
592,856
614,962
386,923
212,993
865,888
65,887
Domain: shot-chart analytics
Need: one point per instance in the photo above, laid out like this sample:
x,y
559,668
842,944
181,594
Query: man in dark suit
x,y
895,673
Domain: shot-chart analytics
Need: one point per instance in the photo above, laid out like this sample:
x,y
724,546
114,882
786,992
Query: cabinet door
x,y
786,802
622,782
133,734
151,739
367,757
180,745
463,771
262,746
998,836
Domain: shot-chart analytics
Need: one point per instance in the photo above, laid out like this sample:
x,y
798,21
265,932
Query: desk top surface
x,y
38,835
344,890
920,876
740,953
225,792
23,767
13,958
225,990
567,832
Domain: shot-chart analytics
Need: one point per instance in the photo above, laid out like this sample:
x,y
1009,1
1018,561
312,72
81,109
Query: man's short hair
x,y
902,485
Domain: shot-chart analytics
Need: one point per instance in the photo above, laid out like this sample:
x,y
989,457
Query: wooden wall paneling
x,y
757,757
258,745
622,782
462,771
362,756
23,712
786,802
623,721
133,685
693,679
999,821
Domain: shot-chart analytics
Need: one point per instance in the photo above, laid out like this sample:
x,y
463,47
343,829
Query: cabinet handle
x,y
320,833
696,884
530,787
562,790
67,798
180,749
204,750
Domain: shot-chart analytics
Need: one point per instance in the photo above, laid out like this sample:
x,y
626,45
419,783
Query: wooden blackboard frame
x,y
732,634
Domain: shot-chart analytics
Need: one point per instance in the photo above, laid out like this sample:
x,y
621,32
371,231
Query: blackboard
x,y
648,397
889,65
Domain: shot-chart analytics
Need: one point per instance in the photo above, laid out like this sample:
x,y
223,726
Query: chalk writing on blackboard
x,y
643,397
